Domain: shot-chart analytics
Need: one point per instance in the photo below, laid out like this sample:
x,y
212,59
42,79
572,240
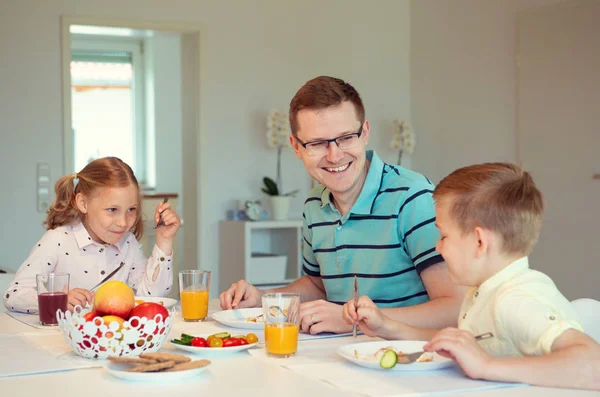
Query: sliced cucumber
x,y
389,359
222,335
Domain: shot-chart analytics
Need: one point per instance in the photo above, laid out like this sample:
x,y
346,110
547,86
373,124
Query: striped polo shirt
x,y
386,239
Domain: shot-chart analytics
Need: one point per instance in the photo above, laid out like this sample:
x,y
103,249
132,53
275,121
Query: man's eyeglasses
x,y
344,142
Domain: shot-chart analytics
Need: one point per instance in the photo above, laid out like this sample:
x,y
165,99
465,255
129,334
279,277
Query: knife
x,y
109,276
355,303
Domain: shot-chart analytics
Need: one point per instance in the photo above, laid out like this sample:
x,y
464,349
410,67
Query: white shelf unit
x,y
254,251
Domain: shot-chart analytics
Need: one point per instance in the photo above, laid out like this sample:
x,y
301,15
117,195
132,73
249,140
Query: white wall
x,y
254,56
463,82
166,67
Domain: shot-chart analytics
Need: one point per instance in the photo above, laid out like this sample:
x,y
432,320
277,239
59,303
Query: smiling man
x,y
365,218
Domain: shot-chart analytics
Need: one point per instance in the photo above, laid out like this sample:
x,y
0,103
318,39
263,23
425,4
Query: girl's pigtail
x,y
63,210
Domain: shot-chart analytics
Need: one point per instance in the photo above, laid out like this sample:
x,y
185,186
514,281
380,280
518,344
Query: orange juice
x,y
281,338
194,305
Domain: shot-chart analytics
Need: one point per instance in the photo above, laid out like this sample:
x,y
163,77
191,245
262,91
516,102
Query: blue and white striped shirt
x,y
386,239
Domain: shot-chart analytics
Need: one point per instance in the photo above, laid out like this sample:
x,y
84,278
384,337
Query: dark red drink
x,y
49,303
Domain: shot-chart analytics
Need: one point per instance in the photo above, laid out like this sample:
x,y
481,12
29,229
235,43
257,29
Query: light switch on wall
x,y
43,186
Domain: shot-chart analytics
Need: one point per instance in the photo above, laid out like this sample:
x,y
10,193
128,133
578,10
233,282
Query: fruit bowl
x,y
95,339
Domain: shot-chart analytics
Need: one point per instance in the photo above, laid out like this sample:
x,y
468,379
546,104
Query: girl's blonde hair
x,y
500,197
103,172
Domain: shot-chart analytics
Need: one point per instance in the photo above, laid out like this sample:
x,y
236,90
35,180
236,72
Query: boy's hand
x,y
369,317
462,347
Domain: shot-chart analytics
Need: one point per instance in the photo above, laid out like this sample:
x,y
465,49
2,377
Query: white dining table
x,y
240,374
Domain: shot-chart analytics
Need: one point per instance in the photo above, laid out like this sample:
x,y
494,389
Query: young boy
x,y
489,217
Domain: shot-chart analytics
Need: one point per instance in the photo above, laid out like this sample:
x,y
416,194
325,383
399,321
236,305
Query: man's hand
x,y
462,347
322,316
240,295
371,321
79,296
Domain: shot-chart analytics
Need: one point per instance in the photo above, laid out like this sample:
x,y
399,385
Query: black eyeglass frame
x,y
328,141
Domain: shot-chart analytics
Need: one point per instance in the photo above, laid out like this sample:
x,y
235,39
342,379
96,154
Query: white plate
x,y
237,318
118,370
406,346
214,351
166,302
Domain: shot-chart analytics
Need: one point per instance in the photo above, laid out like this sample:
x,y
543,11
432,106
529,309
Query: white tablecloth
x,y
240,374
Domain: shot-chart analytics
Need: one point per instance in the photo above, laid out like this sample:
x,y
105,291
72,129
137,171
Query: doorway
x,y
145,75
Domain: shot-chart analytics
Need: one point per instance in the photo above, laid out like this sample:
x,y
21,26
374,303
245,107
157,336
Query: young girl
x,y
93,227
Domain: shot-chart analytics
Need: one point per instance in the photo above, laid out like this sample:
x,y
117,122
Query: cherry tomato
x,y
209,339
229,342
199,342
216,342
251,338
243,342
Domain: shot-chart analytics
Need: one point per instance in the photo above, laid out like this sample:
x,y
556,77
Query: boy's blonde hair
x,y
103,172
500,197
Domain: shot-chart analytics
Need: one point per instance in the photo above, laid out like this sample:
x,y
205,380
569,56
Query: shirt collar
x,y
369,190
511,271
84,239
81,235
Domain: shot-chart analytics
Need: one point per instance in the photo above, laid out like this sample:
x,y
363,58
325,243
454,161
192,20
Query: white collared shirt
x,y
521,307
70,249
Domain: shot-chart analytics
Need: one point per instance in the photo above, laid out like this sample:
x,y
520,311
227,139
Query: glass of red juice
x,y
53,292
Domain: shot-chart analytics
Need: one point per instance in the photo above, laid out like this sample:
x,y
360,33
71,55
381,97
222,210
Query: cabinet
x,y
262,253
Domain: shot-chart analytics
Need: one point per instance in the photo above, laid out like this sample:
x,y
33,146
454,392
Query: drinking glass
x,y
52,293
194,290
280,311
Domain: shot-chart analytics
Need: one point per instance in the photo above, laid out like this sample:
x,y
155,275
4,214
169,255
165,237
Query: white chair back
x,y
588,311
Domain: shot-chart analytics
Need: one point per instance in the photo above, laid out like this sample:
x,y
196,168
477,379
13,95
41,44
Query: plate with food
x,y
387,355
250,318
166,302
215,345
156,367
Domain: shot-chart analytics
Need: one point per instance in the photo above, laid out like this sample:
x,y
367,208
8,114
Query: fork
x,y
412,357
160,221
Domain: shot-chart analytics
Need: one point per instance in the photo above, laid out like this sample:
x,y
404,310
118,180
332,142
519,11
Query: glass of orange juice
x,y
194,289
280,311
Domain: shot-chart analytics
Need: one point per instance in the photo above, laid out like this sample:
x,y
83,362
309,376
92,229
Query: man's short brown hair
x,y
324,92
500,197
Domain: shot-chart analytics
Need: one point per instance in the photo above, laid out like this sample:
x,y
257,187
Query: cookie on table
x,y
188,365
132,360
152,367
177,358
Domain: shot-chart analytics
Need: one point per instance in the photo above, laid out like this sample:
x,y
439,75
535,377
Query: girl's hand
x,y
79,296
165,233
462,347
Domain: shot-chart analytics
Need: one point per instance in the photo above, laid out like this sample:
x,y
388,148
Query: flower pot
x,y
280,207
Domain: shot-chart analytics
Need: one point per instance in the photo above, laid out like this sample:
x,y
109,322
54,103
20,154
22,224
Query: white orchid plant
x,y
278,137
403,139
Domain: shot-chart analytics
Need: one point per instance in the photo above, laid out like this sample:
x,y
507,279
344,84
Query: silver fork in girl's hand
x,y
160,221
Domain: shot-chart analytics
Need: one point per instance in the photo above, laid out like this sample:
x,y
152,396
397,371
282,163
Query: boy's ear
x,y
483,241
81,202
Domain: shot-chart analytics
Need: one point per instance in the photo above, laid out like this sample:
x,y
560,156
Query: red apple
x,y
149,310
89,316
114,298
